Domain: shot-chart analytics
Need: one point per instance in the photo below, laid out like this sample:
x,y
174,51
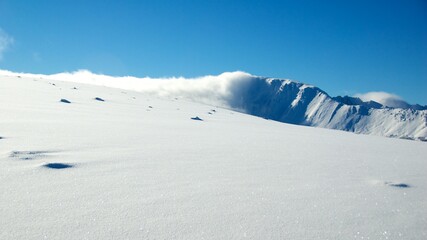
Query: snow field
x,y
136,166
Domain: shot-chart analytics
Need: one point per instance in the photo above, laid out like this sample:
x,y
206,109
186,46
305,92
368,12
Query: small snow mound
x,y
99,99
197,118
57,165
63,100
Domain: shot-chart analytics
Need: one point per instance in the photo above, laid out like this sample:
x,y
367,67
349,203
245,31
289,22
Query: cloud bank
x,y
5,42
213,90
386,99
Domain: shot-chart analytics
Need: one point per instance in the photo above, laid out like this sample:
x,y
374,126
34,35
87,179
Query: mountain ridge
x,y
297,103
277,99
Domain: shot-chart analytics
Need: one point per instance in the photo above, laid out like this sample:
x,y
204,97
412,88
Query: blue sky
x,y
343,47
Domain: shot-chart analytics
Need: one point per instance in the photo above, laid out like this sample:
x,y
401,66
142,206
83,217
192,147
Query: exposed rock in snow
x,y
63,100
57,165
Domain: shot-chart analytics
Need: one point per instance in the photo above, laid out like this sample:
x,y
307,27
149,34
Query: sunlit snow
x,y
137,166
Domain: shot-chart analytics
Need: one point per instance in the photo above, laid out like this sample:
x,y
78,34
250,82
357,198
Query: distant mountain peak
x,y
298,103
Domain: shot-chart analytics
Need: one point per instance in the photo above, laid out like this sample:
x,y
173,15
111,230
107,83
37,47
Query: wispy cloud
x,y
386,99
5,42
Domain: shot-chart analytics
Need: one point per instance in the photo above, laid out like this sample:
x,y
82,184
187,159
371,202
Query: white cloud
x,y
386,99
5,42
213,90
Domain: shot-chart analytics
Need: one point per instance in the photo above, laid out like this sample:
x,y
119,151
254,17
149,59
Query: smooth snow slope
x,y
138,167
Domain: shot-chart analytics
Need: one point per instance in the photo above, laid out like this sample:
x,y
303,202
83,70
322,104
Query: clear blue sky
x,y
343,47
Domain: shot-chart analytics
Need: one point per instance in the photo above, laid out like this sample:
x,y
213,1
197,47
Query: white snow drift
x,y
135,166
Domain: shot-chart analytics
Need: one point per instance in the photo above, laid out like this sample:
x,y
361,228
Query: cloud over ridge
x,y
213,90
386,99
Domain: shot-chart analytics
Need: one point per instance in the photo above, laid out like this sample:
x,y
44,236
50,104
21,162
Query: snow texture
x,y
118,171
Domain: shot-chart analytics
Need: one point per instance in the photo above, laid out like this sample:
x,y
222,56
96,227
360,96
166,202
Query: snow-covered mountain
x,y
292,102
79,161
277,99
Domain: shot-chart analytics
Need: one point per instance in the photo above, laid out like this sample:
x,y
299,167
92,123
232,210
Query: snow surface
x,y
136,166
